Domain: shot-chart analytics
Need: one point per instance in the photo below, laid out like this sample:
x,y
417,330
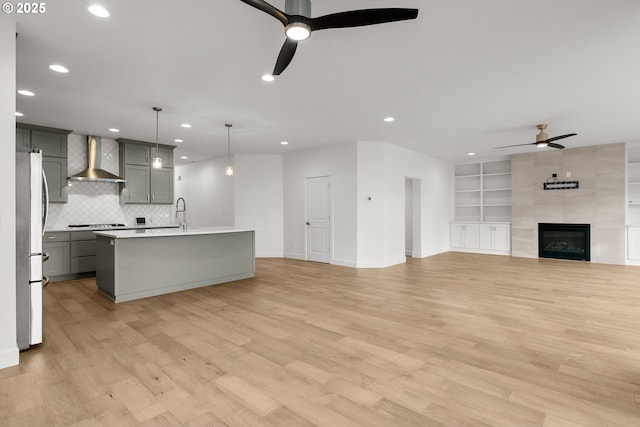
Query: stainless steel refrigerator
x,y
32,201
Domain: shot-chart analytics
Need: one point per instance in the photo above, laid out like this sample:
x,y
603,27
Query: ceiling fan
x,y
298,22
543,140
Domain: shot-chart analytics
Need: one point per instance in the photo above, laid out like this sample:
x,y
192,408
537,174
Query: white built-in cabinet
x,y
482,208
481,237
633,244
633,204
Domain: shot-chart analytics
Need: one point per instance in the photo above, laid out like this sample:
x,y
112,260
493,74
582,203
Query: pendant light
x,y
229,169
156,162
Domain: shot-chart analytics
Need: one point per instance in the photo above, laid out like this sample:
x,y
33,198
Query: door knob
x,y
307,223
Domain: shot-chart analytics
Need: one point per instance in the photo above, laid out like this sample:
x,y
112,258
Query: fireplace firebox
x,y
564,241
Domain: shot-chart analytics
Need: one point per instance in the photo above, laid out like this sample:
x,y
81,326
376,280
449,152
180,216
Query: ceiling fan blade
x,y
358,18
517,145
554,145
555,138
267,8
285,56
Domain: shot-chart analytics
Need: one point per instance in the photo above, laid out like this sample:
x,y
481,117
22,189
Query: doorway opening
x,y
412,215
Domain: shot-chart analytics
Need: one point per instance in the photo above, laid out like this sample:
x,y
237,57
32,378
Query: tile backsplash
x,y
99,202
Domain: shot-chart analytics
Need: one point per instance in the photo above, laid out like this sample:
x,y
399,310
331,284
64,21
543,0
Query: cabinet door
x,y
136,188
502,237
162,186
56,170
136,154
59,259
471,236
51,144
633,243
166,155
457,236
486,235
23,137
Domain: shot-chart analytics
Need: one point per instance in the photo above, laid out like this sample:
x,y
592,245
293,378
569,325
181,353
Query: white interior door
x,y
318,221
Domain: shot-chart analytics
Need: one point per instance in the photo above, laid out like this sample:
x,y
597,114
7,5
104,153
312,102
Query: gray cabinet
x,y
162,186
83,252
55,168
136,189
53,144
145,184
56,245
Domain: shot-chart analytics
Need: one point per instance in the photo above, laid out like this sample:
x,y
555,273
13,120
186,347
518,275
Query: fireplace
x,y
564,241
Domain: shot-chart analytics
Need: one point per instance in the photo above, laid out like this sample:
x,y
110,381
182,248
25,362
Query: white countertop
x,y
169,232
125,227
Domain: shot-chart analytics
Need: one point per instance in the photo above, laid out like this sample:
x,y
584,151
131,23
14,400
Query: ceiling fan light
x,y
541,144
298,31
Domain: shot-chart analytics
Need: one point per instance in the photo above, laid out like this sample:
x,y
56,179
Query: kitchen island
x,y
133,264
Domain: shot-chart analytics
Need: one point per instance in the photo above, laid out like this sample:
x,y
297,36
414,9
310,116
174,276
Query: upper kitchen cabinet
x,y
145,184
53,144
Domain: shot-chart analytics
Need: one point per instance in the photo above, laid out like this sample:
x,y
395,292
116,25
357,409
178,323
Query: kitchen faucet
x,y
182,224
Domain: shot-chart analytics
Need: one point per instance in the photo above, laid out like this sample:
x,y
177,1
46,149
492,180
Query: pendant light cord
x,y
229,141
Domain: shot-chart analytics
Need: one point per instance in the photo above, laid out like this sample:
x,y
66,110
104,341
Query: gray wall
x,y
600,200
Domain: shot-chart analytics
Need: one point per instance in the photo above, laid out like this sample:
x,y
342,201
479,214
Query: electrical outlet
x,y
568,174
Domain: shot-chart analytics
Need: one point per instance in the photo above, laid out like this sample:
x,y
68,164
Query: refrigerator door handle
x,y
45,202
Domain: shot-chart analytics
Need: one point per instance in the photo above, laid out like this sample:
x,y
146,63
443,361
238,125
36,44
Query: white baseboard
x,y
343,263
269,255
293,255
9,357
380,264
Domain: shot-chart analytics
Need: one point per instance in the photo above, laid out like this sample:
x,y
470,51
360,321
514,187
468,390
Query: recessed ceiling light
x,y
184,157
284,143
99,11
471,154
268,78
114,130
185,125
26,92
19,114
389,119
177,140
58,68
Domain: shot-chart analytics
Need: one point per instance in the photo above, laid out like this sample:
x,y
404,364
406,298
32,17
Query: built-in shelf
x,y
633,184
483,191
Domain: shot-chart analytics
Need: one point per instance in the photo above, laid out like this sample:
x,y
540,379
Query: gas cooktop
x,y
95,225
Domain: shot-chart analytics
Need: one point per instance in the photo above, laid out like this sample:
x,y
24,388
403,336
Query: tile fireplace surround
x,y
600,200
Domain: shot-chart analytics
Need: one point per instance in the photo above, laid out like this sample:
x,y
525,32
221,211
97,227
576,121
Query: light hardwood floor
x,y
451,340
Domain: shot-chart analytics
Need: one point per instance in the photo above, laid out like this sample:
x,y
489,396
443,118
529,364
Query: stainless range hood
x,y
93,171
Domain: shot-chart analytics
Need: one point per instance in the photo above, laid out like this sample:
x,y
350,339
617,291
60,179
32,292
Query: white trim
x,y
378,264
344,263
269,255
9,357
294,256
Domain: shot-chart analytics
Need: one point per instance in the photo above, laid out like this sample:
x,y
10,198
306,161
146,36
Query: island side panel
x,y
158,265
105,265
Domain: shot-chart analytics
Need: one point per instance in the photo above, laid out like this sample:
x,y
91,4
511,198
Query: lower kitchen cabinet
x,y
83,252
481,237
56,245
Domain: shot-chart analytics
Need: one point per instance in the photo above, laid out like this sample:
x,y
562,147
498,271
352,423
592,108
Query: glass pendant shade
x,y
229,170
156,162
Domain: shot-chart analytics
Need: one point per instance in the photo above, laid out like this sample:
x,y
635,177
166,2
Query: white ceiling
x,y
467,75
